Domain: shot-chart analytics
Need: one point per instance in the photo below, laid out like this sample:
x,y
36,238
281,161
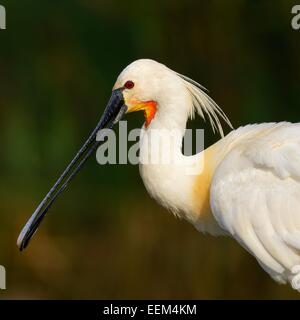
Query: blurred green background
x,y
105,238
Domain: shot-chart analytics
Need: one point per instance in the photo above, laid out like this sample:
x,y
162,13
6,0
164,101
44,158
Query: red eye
x,y
129,84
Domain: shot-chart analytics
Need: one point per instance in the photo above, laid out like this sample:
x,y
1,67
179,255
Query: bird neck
x,y
161,138
179,183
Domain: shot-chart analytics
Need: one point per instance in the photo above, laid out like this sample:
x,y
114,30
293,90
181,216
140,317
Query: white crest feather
x,y
205,105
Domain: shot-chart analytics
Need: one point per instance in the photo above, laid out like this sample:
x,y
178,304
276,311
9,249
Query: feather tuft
x,y
205,106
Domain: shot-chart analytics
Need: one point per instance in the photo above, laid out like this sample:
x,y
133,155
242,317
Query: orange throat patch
x,y
149,108
149,112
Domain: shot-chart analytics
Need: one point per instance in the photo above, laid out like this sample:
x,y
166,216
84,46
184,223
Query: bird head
x,y
150,87
165,95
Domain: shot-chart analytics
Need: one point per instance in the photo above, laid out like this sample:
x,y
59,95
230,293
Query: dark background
x,y
105,238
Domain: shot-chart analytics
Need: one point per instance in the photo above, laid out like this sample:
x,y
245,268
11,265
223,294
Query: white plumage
x,y
255,196
248,183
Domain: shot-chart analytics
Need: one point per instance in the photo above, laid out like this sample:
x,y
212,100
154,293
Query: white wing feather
x,y
255,196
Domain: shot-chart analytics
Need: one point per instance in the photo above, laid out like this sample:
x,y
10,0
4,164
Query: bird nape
x,y
247,185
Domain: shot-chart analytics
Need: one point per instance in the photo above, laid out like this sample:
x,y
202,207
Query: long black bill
x,y
113,112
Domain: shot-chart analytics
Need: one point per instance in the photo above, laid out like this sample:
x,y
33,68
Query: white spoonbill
x,y
248,186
